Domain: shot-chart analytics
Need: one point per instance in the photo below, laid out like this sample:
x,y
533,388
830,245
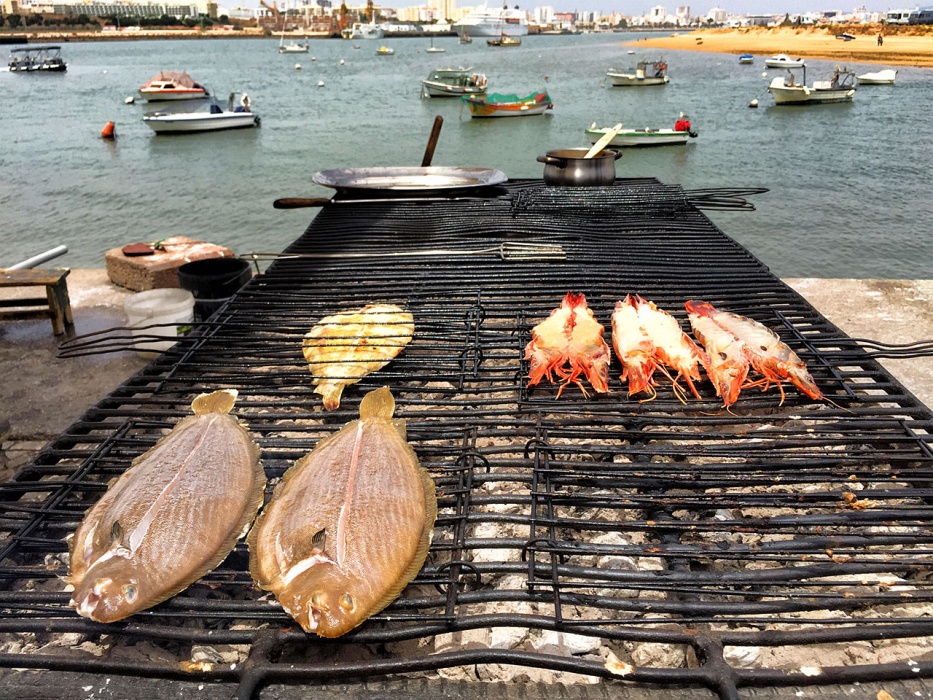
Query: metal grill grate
x,y
656,542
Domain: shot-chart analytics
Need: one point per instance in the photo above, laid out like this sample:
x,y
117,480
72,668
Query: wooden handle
x,y
300,202
603,142
432,141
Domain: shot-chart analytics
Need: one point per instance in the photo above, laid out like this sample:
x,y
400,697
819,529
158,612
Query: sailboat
x,y
465,37
291,46
435,49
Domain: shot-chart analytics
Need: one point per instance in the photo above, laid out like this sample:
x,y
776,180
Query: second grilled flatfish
x,y
173,516
349,526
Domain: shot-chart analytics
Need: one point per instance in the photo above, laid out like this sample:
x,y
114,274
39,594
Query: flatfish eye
x,y
346,602
130,592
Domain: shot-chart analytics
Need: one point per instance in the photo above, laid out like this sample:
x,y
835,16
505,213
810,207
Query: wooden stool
x,y
57,305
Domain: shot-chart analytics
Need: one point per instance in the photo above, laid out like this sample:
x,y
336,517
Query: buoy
x,y
754,103
320,83
108,132
297,66
342,61
765,74
313,58
129,100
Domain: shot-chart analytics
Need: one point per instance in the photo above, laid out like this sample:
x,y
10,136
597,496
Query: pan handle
x,y
432,141
300,202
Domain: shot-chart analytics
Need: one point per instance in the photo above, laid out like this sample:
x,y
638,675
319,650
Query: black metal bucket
x,y
212,282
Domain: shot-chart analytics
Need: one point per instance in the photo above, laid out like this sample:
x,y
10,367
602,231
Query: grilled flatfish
x,y
343,348
173,516
349,526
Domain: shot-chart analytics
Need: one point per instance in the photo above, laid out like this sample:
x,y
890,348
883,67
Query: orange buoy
x,y
108,131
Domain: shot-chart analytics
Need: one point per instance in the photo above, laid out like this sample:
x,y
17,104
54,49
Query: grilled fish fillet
x,y
349,526
343,348
173,516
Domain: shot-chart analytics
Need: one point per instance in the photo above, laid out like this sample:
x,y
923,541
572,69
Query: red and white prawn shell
x,y
767,353
569,343
633,347
672,347
727,364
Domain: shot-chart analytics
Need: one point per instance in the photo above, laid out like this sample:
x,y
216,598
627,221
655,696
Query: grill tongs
x,y
509,250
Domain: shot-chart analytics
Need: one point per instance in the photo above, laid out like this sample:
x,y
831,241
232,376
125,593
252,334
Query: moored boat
x,y
504,40
746,59
363,30
172,85
791,91
881,77
216,118
385,51
508,105
646,73
47,59
453,82
782,60
628,137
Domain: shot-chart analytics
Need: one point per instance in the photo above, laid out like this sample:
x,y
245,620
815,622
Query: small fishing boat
x,y
508,105
628,137
746,59
791,91
37,58
172,85
646,73
216,118
504,40
465,37
881,77
782,60
453,82
385,51
292,46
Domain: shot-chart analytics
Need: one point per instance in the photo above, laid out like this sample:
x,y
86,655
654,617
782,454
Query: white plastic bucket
x,y
159,306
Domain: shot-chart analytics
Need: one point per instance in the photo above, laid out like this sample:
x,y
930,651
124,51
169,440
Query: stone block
x,y
159,270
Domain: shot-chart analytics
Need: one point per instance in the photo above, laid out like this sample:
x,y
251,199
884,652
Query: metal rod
x,y
40,258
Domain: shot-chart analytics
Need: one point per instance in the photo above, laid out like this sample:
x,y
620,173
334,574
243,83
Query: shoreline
x,y
901,47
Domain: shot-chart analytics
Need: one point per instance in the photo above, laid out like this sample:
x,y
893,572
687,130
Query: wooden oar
x,y
604,141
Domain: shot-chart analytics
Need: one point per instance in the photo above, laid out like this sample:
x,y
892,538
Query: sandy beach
x,y
903,46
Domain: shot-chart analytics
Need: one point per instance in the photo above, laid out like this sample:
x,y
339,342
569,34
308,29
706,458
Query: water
x,y
849,186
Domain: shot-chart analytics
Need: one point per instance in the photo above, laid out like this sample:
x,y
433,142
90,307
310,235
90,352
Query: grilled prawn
x,y
647,338
762,348
569,343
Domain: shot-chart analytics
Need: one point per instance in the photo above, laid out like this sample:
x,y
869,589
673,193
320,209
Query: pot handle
x,y
551,160
618,154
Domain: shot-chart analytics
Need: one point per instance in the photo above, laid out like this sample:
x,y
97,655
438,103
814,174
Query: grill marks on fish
x,y
365,489
172,517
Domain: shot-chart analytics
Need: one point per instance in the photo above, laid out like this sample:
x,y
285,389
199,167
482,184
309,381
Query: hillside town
x,y
324,18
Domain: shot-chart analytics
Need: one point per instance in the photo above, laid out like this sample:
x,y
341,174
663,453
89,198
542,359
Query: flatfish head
x,y
349,526
173,516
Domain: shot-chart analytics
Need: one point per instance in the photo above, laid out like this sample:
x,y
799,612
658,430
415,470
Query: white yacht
x,y
486,21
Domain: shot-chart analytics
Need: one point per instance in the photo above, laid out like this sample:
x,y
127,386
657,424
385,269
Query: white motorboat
x,y
293,46
783,61
453,82
364,30
791,91
746,59
646,73
627,137
169,85
385,51
492,22
881,77
214,119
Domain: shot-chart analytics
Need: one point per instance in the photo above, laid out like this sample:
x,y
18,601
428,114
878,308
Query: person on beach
x,y
880,39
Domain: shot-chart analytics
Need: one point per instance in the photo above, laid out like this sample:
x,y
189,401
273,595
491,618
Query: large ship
x,y
486,21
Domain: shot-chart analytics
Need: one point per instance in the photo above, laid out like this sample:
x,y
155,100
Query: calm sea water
x,y
850,186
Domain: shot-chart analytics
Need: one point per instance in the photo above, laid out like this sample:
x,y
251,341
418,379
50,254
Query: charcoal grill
x,y
641,544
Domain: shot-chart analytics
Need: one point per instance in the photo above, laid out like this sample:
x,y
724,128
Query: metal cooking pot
x,y
568,167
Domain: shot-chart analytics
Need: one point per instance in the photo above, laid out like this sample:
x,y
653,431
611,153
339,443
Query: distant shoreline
x,y
903,46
